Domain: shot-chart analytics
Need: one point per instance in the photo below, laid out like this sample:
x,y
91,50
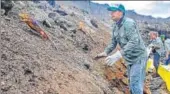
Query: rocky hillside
x,y
98,9
65,63
62,65
100,12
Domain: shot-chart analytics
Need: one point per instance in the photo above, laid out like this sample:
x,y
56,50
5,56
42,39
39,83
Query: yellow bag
x,y
149,64
164,72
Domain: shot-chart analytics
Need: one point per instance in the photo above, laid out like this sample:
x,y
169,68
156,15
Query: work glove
x,y
153,48
148,49
103,54
110,60
150,46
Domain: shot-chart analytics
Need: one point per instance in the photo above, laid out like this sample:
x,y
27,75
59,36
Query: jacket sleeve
x,y
133,39
158,43
167,48
112,45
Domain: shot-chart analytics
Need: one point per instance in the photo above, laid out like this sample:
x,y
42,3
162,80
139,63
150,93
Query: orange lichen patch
x,y
125,80
116,75
146,90
109,74
122,87
115,72
126,91
43,35
81,25
24,16
32,23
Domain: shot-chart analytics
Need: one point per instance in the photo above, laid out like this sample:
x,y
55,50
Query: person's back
x,y
157,49
167,48
167,45
158,42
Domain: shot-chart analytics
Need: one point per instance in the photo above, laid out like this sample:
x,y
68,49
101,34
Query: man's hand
x,y
103,54
110,60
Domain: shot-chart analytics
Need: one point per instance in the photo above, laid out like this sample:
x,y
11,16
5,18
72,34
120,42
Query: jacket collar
x,y
120,22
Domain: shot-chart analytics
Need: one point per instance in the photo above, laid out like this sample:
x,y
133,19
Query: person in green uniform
x,y
126,33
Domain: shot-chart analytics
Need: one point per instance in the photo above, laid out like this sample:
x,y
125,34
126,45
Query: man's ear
x,y
121,13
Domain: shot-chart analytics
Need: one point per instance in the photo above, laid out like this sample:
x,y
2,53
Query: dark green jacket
x,y
127,35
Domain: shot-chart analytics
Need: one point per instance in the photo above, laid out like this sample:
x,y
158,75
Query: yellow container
x,y
149,64
164,72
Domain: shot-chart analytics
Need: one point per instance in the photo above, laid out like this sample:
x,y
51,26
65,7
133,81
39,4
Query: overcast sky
x,y
154,8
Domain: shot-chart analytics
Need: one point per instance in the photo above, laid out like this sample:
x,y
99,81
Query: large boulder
x,y
94,23
61,12
7,5
47,23
19,5
156,84
2,11
52,15
65,24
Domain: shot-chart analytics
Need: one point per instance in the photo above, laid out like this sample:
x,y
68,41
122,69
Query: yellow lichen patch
x,y
24,15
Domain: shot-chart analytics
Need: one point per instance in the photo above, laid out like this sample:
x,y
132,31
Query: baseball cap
x,y
116,7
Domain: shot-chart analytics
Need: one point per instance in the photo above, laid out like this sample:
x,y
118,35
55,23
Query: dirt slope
x,y
62,65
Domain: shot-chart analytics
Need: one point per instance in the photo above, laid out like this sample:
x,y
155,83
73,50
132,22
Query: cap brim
x,y
112,9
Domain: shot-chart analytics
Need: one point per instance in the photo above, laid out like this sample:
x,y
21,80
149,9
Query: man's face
x,y
116,15
153,36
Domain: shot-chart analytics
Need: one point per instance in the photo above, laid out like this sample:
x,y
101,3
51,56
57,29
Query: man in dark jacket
x,y
126,34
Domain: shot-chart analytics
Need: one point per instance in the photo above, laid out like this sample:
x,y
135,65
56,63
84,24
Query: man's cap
x,y
162,36
116,7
